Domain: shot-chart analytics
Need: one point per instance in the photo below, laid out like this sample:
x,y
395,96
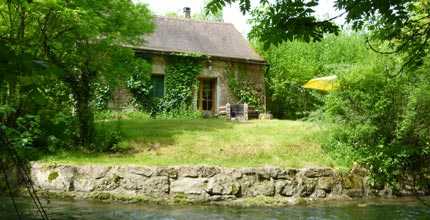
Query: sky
x,y
231,14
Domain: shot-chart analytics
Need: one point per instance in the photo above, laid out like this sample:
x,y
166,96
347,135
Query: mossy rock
x,y
52,176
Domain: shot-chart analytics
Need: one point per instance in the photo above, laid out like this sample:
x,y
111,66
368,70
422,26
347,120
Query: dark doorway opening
x,y
207,95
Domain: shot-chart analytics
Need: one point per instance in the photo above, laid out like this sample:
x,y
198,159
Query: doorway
x,y
207,94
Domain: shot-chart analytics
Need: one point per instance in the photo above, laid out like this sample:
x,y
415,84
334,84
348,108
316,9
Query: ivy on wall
x,y
180,81
102,95
244,89
139,85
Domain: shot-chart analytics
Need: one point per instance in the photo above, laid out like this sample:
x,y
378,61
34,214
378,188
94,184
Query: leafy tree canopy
x,y
405,24
80,41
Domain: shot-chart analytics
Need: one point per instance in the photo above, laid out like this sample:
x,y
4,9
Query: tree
x,y
80,41
86,40
403,23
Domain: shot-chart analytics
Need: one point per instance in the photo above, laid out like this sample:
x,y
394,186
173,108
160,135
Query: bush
x,y
383,121
294,63
108,140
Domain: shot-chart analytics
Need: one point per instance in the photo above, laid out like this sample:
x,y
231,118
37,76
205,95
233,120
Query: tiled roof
x,y
208,38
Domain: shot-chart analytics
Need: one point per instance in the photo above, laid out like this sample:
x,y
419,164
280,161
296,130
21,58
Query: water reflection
x,y
374,210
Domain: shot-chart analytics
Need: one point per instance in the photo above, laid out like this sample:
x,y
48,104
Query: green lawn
x,y
212,142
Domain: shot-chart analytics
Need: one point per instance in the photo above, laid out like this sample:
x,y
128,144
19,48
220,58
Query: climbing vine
x,y
102,94
139,85
242,88
180,81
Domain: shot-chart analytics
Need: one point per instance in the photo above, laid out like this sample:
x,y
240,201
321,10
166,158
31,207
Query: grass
x,y
211,142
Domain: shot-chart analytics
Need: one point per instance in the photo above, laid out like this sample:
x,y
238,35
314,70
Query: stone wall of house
x,y
218,69
206,183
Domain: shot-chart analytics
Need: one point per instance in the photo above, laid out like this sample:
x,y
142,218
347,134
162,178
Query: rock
x,y
223,185
206,183
307,187
286,187
188,172
248,171
133,182
189,185
354,193
234,173
353,182
156,186
198,171
87,177
287,174
109,183
266,173
54,178
142,171
246,182
265,188
325,183
318,172
359,171
170,172
319,193
206,172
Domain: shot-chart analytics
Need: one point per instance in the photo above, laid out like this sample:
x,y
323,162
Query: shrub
x,y
294,63
383,121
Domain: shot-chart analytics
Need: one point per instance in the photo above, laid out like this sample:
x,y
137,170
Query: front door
x,y
207,96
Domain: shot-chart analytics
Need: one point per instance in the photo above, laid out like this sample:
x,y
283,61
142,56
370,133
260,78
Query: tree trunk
x,y
81,87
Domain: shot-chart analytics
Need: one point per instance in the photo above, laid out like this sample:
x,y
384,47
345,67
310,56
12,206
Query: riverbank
x,y
266,186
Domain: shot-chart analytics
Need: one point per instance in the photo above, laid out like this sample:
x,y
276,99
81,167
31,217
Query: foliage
x,y
103,94
204,14
276,21
21,136
288,20
52,53
244,89
180,82
139,84
403,23
35,111
81,40
292,64
108,139
383,121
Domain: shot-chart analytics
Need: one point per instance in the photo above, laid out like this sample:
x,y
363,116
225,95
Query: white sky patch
x,y
231,13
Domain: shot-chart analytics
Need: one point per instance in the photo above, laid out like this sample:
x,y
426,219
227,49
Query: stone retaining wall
x,y
204,183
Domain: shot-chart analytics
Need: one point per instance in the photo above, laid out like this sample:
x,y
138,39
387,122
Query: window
x,y
157,85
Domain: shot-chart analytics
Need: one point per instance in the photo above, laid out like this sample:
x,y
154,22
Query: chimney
x,y
187,12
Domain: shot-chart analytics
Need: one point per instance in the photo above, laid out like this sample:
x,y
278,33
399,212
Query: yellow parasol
x,y
327,83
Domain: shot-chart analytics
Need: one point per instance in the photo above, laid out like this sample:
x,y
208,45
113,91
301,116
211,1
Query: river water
x,y
367,210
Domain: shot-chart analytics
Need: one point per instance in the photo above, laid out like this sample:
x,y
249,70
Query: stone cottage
x,y
223,48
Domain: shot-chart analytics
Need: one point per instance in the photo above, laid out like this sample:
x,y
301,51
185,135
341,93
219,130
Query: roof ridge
x,y
193,20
